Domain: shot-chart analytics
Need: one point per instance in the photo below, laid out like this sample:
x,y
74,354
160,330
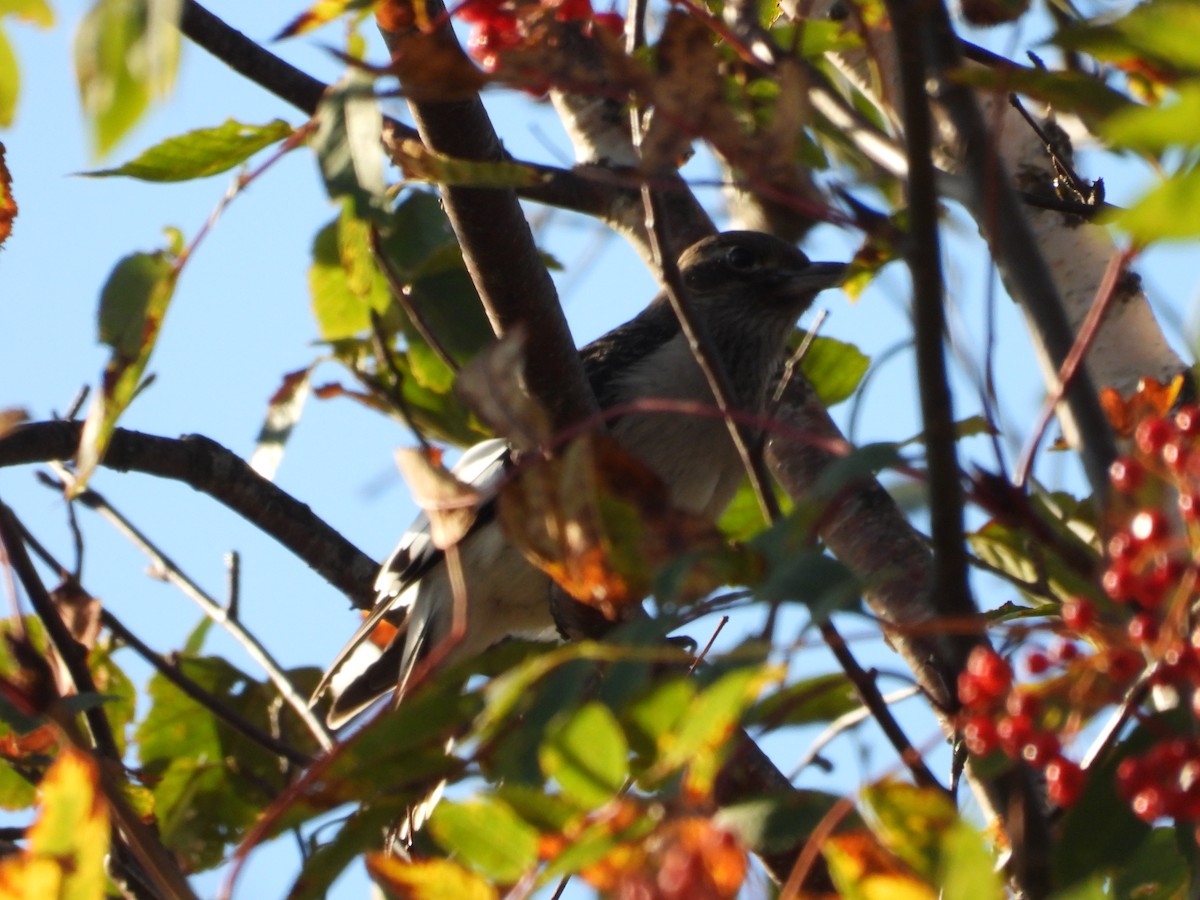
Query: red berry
x,y
1175,455
1159,581
1078,613
1187,420
478,10
1122,546
1143,629
1064,782
1189,506
1119,581
1036,663
1149,525
612,22
1023,703
568,10
1122,665
1147,803
1131,777
979,734
1064,651
1041,748
1151,434
990,670
1014,732
1126,474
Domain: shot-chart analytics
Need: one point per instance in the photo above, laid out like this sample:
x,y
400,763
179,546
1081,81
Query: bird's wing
x,y
481,466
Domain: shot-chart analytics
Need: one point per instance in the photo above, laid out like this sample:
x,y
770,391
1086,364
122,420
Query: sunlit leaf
x,y
201,153
819,699
320,13
923,828
1165,32
428,879
834,368
126,54
586,753
863,870
69,841
488,836
10,88
343,281
1167,212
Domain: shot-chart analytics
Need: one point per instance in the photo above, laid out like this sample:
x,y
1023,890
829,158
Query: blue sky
x,y
241,319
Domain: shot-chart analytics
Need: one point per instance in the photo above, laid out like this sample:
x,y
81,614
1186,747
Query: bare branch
x,y
211,469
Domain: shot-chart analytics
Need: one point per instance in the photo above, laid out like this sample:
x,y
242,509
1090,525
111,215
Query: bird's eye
x,y
741,259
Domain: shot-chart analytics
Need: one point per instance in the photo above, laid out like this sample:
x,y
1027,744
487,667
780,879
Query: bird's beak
x,y
817,276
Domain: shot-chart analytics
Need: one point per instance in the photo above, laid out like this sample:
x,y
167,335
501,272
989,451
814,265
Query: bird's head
x,y
749,268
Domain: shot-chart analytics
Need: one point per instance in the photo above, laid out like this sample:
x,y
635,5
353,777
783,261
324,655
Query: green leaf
x,y
822,698
132,306
710,718
1014,552
1152,129
343,281
1166,32
1170,211
834,368
488,836
359,835
587,754
126,54
210,782
861,462
419,163
348,145
1157,871
16,792
10,81
1086,96
201,153
922,827
779,824
36,12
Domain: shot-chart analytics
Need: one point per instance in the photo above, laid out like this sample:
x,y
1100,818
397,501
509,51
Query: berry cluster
x,y
1163,782
499,25
1000,716
1139,626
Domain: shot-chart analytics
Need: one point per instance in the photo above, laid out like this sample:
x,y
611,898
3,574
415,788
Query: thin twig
x,y
1072,365
844,723
170,670
211,608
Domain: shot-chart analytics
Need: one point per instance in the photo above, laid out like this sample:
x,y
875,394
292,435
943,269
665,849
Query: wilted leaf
x,y
586,753
431,65
451,505
492,385
69,841
8,204
10,418
283,412
419,163
132,306
600,524
126,53
428,879
201,153
488,836
1152,398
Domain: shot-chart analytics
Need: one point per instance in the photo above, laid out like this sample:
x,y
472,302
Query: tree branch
x,y
211,469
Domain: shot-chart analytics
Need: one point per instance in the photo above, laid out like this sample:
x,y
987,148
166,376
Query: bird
x,y
747,289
